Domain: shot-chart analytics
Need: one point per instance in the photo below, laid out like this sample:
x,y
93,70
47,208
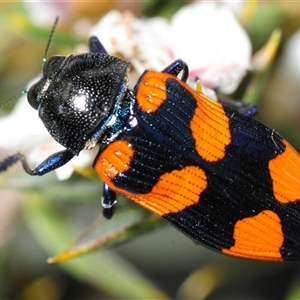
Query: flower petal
x,y
218,52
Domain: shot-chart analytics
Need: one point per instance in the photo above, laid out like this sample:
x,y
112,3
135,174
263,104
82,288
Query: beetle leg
x,y
95,46
246,109
250,111
108,201
176,67
51,163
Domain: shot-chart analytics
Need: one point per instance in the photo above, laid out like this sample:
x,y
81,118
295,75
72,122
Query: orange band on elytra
x,y
285,174
258,237
209,124
210,128
174,191
114,160
152,91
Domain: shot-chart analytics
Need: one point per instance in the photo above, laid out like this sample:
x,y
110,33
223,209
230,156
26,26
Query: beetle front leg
x,y
51,163
108,201
176,67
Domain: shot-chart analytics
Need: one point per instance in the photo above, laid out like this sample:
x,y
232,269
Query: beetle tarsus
x,y
176,67
9,161
108,201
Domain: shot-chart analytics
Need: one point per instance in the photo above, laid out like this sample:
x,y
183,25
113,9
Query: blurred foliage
x,y
40,217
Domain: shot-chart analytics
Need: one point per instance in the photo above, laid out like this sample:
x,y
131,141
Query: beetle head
x,y
76,95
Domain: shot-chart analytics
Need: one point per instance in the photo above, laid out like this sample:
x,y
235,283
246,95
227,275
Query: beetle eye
x,y
53,63
32,96
51,66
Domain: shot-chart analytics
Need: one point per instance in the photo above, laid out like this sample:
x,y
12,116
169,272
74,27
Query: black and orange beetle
x,y
219,176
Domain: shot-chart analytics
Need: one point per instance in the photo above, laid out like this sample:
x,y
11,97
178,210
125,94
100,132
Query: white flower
x,y
216,48
205,35
140,41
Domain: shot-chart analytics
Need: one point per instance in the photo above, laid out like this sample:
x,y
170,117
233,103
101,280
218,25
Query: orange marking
x,y
152,91
174,191
210,128
259,237
209,125
285,174
115,159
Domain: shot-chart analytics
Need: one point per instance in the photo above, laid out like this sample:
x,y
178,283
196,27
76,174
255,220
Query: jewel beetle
x,y
219,176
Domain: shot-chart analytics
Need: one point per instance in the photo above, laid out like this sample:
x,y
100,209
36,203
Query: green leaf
x,y
126,224
262,62
103,270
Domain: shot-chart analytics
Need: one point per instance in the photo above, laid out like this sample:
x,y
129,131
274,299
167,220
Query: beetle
x,y
219,176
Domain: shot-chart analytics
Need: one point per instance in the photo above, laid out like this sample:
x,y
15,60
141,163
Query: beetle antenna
x,y
49,41
12,99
